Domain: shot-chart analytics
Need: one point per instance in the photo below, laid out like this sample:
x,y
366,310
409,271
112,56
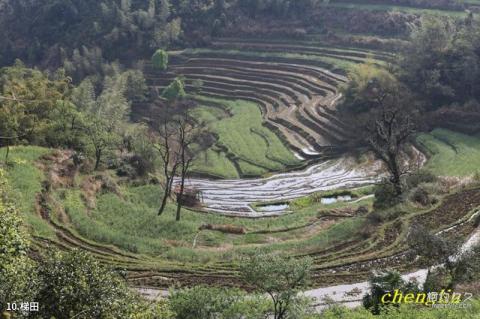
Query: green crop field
x,y
452,154
387,7
122,226
128,220
255,149
335,62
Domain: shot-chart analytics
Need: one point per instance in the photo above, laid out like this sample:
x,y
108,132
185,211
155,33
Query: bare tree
x,y
187,136
170,160
389,126
181,140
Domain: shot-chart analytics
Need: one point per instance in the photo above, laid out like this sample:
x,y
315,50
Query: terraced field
x,y
385,5
280,100
238,197
120,226
294,85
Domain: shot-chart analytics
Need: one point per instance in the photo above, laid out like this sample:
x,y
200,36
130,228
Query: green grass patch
x,y
130,222
254,148
313,199
387,7
452,154
25,182
335,63
411,311
214,162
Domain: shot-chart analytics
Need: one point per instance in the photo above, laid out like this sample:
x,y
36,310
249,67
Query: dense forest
x,y
52,32
56,31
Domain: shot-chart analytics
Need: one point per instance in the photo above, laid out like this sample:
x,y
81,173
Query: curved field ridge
x,y
349,295
342,293
235,197
295,85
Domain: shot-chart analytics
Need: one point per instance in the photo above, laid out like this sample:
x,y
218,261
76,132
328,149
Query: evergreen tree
x,y
160,60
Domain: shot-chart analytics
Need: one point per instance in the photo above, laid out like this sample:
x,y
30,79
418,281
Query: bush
x,y
385,195
216,303
175,90
468,267
421,196
380,284
420,177
141,165
133,166
437,279
75,284
160,60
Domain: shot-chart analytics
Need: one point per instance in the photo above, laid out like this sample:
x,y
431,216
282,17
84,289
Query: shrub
x,y
476,177
216,303
420,177
380,284
160,60
467,269
175,90
141,165
437,279
385,195
18,278
421,196
75,284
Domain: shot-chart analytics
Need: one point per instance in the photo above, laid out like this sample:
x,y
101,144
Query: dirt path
x,y
351,295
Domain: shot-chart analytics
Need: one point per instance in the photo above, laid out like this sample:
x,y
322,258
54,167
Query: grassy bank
x,y
406,9
451,153
244,145
471,311
25,182
128,219
334,62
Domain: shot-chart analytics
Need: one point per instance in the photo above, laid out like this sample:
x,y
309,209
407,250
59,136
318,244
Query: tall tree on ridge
x,y
388,129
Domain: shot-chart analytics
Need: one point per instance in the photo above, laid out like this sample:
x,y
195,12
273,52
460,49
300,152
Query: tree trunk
x,y
6,154
275,310
164,201
98,156
170,183
396,178
282,311
180,197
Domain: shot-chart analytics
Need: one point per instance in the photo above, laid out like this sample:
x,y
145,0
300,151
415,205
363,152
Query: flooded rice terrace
x,y
271,195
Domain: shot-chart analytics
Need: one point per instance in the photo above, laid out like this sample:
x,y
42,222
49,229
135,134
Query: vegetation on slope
x,y
253,149
452,154
126,218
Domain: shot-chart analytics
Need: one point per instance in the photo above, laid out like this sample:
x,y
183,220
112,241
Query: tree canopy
x,y
160,59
